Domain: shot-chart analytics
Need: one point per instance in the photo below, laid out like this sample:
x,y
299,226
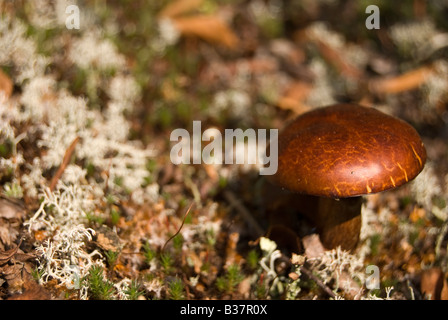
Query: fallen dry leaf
x,y
12,271
433,283
336,58
179,7
107,239
65,161
312,245
5,256
6,85
404,82
33,291
332,55
295,96
10,209
208,28
232,256
444,292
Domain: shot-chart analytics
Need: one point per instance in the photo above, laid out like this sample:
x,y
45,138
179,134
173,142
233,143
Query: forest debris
x,y
433,284
67,156
7,255
180,228
107,239
6,85
14,268
286,50
244,287
336,58
331,54
232,256
208,28
245,214
314,250
322,285
407,81
179,7
312,245
33,291
295,96
11,214
10,209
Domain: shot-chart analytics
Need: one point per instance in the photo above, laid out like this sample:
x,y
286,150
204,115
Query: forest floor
x,y
92,205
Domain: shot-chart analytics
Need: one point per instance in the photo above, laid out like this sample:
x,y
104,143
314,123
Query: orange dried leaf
x,y
332,55
179,7
295,96
67,156
41,235
336,58
5,256
5,85
33,291
407,81
444,293
417,214
432,282
208,28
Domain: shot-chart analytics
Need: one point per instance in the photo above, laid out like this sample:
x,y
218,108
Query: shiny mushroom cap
x,y
347,150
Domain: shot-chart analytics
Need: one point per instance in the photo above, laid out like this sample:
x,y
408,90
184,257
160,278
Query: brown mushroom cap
x,y
346,150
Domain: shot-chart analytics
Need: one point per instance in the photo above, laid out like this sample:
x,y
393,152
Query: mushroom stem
x,y
339,222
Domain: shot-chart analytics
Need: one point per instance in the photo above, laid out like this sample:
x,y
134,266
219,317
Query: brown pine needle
x,y
322,285
208,28
180,228
404,82
68,154
336,58
6,85
179,7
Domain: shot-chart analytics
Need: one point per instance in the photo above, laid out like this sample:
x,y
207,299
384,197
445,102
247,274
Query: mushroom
x,y
339,153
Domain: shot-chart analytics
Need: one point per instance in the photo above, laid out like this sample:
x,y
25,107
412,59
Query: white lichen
x,y
426,187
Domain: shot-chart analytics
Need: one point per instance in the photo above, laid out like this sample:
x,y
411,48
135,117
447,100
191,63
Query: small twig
x,y
413,291
64,164
7,255
180,228
322,285
106,183
247,216
407,81
443,232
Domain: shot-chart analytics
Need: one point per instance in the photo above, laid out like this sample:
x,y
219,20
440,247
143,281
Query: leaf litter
x,y
87,181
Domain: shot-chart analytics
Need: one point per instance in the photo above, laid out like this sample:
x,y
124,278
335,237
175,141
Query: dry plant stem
x,y
247,216
322,285
180,228
7,255
339,222
406,81
64,164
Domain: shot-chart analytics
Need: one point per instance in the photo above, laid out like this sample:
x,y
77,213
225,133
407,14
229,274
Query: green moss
x,y
375,241
253,259
176,290
99,288
228,282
